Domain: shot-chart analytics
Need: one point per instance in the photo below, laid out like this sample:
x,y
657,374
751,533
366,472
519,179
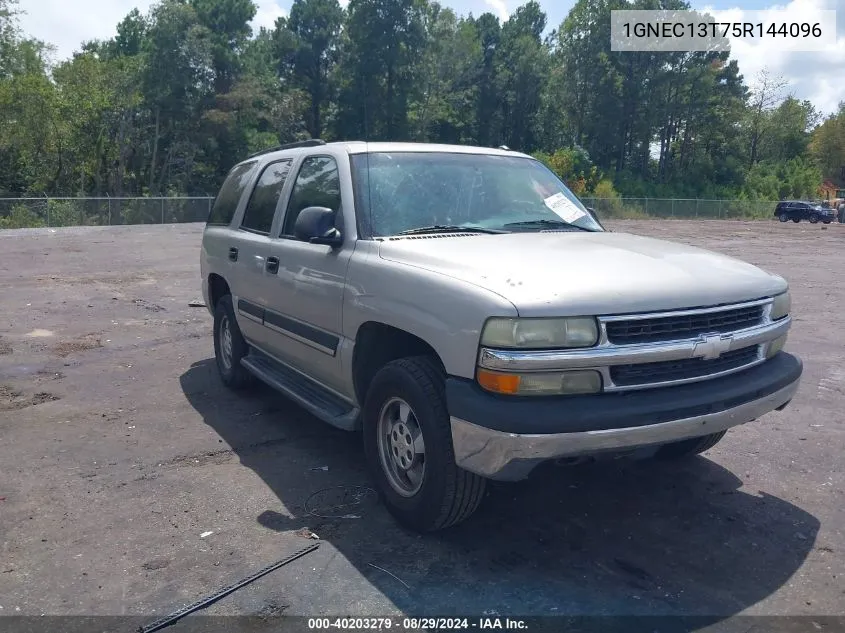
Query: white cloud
x,y
813,75
66,25
500,8
62,23
267,14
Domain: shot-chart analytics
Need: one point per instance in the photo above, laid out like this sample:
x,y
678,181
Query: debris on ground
x,y
156,563
306,533
333,500
225,591
209,533
196,303
320,468
390,574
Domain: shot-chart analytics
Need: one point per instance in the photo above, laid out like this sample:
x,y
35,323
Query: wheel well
x,y
376,345
217,288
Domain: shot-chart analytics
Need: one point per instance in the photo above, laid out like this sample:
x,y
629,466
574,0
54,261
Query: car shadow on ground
x,y
619,538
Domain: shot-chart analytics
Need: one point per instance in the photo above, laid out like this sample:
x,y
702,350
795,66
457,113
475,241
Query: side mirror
x,y
315,225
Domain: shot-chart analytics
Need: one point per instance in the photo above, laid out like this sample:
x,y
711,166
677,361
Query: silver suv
x,y
464,310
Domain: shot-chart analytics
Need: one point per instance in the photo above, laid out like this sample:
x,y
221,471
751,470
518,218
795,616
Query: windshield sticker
x,y
564,207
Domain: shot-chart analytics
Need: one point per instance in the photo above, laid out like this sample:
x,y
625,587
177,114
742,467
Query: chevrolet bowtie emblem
x,y
711,346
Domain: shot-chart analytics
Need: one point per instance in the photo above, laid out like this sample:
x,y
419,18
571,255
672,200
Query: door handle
x,y
272,265
233,254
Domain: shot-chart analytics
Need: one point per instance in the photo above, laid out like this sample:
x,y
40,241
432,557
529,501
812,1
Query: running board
x,y
308,394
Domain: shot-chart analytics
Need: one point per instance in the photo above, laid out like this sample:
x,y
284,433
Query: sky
x,y
816,76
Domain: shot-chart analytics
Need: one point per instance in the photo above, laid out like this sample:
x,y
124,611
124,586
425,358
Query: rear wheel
x,y
408,446
690,447
814,218
229,346
783,217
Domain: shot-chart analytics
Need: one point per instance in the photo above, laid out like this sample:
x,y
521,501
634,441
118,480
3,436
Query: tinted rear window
x,y
262,204
230,194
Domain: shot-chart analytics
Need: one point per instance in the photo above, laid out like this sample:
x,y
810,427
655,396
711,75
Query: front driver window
x,y
317,185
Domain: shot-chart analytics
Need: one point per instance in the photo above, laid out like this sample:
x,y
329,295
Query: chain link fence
x,y
50,212
679,208
39,212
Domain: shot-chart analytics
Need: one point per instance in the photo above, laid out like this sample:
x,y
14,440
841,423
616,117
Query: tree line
x,y
182,92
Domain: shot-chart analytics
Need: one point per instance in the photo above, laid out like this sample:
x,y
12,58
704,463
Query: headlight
x,y
540,384
540,333
781,306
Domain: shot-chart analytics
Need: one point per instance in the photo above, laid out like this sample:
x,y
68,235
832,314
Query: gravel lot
x,y
120,449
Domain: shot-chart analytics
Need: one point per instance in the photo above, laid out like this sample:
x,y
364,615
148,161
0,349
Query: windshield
x,y
403,191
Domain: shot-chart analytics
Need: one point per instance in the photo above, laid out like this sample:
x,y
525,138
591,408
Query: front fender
x,y
446,313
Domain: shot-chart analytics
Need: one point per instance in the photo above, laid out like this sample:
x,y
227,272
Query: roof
x,y
363,147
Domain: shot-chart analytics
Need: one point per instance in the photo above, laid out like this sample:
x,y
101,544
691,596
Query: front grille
x,y
669,328
689,368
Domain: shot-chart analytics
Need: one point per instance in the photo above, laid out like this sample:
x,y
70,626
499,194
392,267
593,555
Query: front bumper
x,y
506,437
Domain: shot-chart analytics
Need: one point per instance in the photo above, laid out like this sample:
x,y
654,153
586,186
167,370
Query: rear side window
x,y
229,195
262,203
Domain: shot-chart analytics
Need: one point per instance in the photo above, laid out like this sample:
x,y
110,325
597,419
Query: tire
x,y
229,355
796,220
438,494
814,218
690,447
827,221
783,217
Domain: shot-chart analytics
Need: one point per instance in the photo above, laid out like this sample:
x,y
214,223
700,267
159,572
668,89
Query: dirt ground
x,y
133,482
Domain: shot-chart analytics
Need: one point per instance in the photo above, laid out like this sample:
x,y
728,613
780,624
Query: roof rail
x,y
314,142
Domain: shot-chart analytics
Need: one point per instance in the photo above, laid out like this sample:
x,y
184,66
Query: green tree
x,y
796,178
227,29
380,55
307,48
183,91
827,146
521,72
765,95
178,78
488,122
447,79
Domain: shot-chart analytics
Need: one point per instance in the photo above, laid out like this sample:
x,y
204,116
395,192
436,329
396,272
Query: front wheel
x,y
783,217
690,447
796,220
408,446
229,346
814,218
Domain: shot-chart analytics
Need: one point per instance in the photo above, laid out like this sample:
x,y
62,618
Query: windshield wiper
x,y
446,228
546,224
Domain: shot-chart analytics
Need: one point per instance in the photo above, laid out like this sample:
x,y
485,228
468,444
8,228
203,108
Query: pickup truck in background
x,y
462,309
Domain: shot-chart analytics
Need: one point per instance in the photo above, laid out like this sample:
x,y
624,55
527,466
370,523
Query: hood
x,y
569,273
